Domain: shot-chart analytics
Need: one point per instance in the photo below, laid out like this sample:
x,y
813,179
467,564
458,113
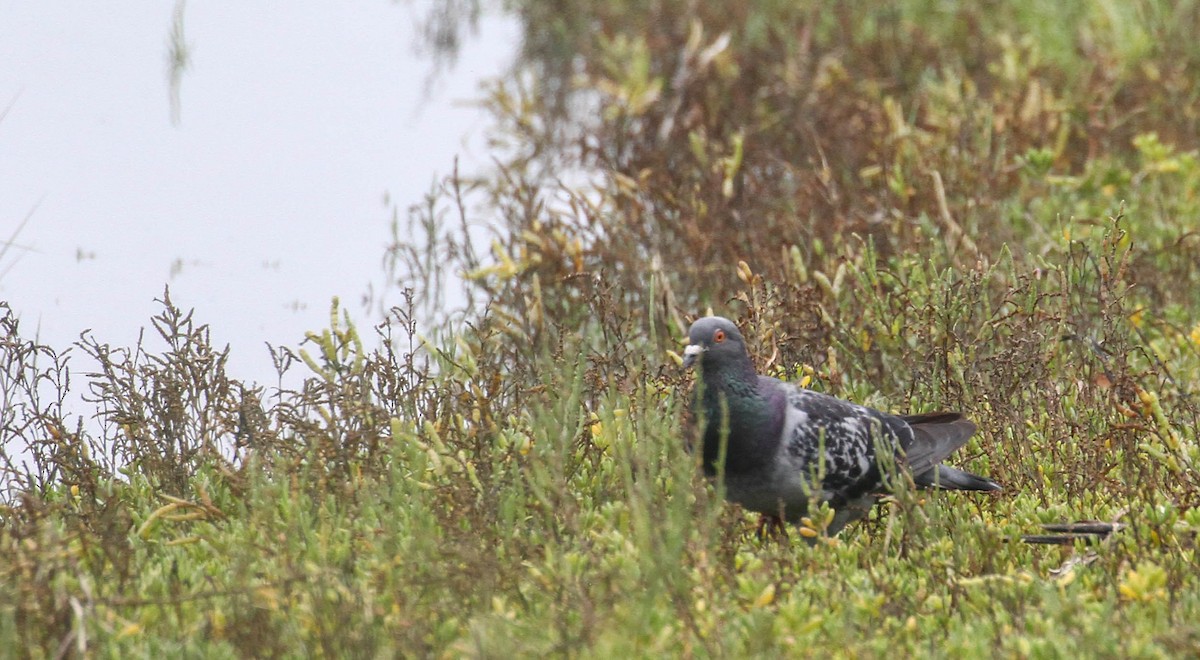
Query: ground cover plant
x,y
984,207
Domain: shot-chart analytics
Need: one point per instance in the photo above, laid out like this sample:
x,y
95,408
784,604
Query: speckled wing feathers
x,y
842,434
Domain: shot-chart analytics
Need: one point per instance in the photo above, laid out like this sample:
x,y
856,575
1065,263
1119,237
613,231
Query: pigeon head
x,y
714,342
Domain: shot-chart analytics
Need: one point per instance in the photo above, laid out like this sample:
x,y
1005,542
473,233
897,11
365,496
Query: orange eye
x,y
718,336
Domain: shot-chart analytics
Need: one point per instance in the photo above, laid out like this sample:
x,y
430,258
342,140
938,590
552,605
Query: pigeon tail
x,y
948,478
935,437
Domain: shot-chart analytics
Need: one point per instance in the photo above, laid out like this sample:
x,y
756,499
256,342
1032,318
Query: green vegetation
x,y
987,207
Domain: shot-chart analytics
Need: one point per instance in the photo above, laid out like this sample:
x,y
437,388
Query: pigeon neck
x,y
734,403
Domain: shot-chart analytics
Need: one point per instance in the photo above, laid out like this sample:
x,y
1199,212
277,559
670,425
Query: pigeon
x,y
779,447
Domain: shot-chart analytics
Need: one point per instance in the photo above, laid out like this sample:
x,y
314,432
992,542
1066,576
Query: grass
x,y
915,205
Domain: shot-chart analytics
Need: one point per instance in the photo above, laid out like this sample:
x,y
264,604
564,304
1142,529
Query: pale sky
x,y
297,119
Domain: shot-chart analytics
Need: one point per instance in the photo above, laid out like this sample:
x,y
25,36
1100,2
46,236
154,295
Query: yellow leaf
x,y
129,629
766,597
1146,583
744,273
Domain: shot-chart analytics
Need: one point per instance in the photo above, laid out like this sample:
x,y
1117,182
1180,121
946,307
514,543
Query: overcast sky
x,y
297,119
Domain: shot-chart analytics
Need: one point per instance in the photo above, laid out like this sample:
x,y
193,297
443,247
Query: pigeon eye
x,y
719,336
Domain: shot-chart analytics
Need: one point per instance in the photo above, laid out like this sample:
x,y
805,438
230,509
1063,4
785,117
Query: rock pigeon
x,y
786,446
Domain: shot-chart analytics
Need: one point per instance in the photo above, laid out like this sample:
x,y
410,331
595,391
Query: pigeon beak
x,y
691,354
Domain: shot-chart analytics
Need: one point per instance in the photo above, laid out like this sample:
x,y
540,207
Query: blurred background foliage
x,y
676,139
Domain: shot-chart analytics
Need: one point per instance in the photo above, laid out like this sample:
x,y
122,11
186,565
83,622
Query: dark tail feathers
x,y
946,477
935,437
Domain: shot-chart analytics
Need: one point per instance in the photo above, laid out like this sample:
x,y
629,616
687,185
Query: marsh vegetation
x,y
986,207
